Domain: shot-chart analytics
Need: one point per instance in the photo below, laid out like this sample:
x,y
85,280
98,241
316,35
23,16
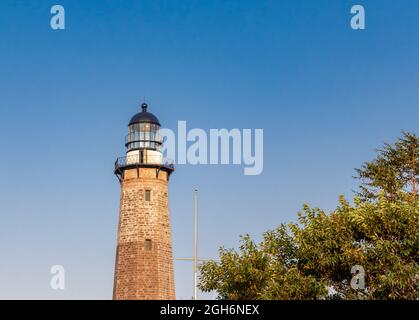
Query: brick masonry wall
x,y
141,273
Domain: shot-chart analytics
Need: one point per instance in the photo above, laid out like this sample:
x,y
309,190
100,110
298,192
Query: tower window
x,y
148,195
148,245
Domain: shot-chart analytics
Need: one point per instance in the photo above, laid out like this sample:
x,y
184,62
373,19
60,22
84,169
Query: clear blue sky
x,y
325,95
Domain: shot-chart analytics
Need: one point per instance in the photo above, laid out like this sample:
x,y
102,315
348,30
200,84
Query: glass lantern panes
x,y
143,136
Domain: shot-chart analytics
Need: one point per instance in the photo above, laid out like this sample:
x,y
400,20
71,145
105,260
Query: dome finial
x,y
144,105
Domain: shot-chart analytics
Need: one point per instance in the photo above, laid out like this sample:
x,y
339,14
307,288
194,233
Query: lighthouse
x,y
144,260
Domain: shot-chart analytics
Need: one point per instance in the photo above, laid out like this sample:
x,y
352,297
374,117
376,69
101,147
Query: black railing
x,y
135,160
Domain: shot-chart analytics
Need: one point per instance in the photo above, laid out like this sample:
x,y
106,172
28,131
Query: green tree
x,y
260,271
312,259
381,236
395,168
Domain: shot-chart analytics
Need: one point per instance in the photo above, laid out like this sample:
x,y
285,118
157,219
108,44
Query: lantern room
x,y
143,141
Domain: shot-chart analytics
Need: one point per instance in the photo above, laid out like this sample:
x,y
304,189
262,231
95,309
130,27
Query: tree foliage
x,y
395,168
312,259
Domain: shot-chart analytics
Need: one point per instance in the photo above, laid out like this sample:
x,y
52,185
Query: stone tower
x,y
144,262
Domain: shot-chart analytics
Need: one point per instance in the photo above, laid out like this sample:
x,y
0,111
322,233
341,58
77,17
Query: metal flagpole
x,y
195,256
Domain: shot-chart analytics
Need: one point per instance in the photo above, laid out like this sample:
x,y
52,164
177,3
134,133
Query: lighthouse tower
x,y
144,262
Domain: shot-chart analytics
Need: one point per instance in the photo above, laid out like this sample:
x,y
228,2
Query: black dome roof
x,y
144,116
